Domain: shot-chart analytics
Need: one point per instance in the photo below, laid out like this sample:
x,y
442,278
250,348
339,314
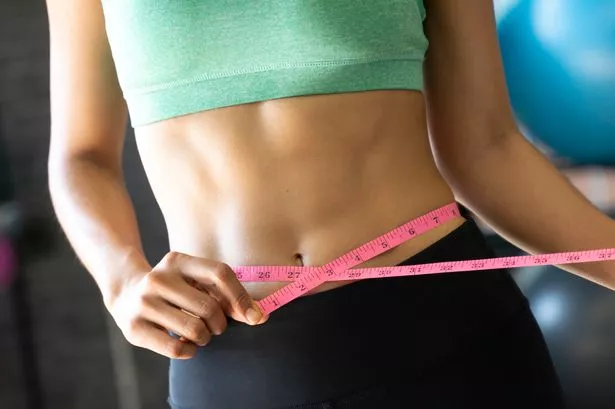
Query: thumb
x,y
245,309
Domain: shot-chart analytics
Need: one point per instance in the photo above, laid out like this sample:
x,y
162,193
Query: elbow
x,y
56,167
58,178
466,161
71,170
65,161
60,165
472,172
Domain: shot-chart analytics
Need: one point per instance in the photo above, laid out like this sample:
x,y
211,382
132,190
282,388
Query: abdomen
x,y
296,180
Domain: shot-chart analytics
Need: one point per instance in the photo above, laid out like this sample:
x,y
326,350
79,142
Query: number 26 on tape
x,y
264,275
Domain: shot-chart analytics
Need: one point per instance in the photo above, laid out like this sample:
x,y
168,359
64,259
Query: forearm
x,y
97,216
524,198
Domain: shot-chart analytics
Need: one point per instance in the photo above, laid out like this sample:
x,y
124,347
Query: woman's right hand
x,y
190,297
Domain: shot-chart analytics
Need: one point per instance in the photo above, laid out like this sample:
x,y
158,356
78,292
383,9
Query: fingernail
x,y
254,315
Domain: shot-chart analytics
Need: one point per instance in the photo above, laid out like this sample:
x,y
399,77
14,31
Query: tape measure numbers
x,y
316,276
305,279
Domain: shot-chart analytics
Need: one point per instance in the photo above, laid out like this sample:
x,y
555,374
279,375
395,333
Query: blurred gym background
x,y
58,348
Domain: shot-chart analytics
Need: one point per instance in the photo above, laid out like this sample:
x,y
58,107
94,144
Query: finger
x,y
218,278
178,322
158,340
214,291
198,303
223,285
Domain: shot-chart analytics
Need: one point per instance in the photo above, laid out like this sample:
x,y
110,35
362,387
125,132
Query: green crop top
x,y
176,57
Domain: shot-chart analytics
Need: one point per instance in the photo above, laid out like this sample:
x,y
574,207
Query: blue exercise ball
x,y
559,59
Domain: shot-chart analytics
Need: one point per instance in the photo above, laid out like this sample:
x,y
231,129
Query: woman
x,y
288,133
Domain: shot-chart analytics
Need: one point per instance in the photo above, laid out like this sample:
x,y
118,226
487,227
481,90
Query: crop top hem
x,y
164,101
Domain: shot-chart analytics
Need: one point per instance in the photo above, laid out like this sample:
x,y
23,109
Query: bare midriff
x,y
295,181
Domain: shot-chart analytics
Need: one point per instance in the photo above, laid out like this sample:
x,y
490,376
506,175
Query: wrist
x,y
130,267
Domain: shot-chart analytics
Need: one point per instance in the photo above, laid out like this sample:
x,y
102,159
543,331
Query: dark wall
x,y
69,323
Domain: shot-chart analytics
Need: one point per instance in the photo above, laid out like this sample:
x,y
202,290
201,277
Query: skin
x,y
393,155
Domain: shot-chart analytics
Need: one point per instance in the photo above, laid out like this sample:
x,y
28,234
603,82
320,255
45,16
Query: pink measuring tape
x,y
305,279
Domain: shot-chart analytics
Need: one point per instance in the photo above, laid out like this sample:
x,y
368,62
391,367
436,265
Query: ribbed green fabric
x,y
176,57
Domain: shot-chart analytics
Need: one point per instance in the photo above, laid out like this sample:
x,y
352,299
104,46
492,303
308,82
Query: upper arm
x,y
88,112
467,100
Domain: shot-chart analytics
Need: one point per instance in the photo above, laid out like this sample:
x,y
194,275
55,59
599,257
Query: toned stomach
x,y
295,181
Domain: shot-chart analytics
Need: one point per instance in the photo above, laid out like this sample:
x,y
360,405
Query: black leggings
x,y
461,340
